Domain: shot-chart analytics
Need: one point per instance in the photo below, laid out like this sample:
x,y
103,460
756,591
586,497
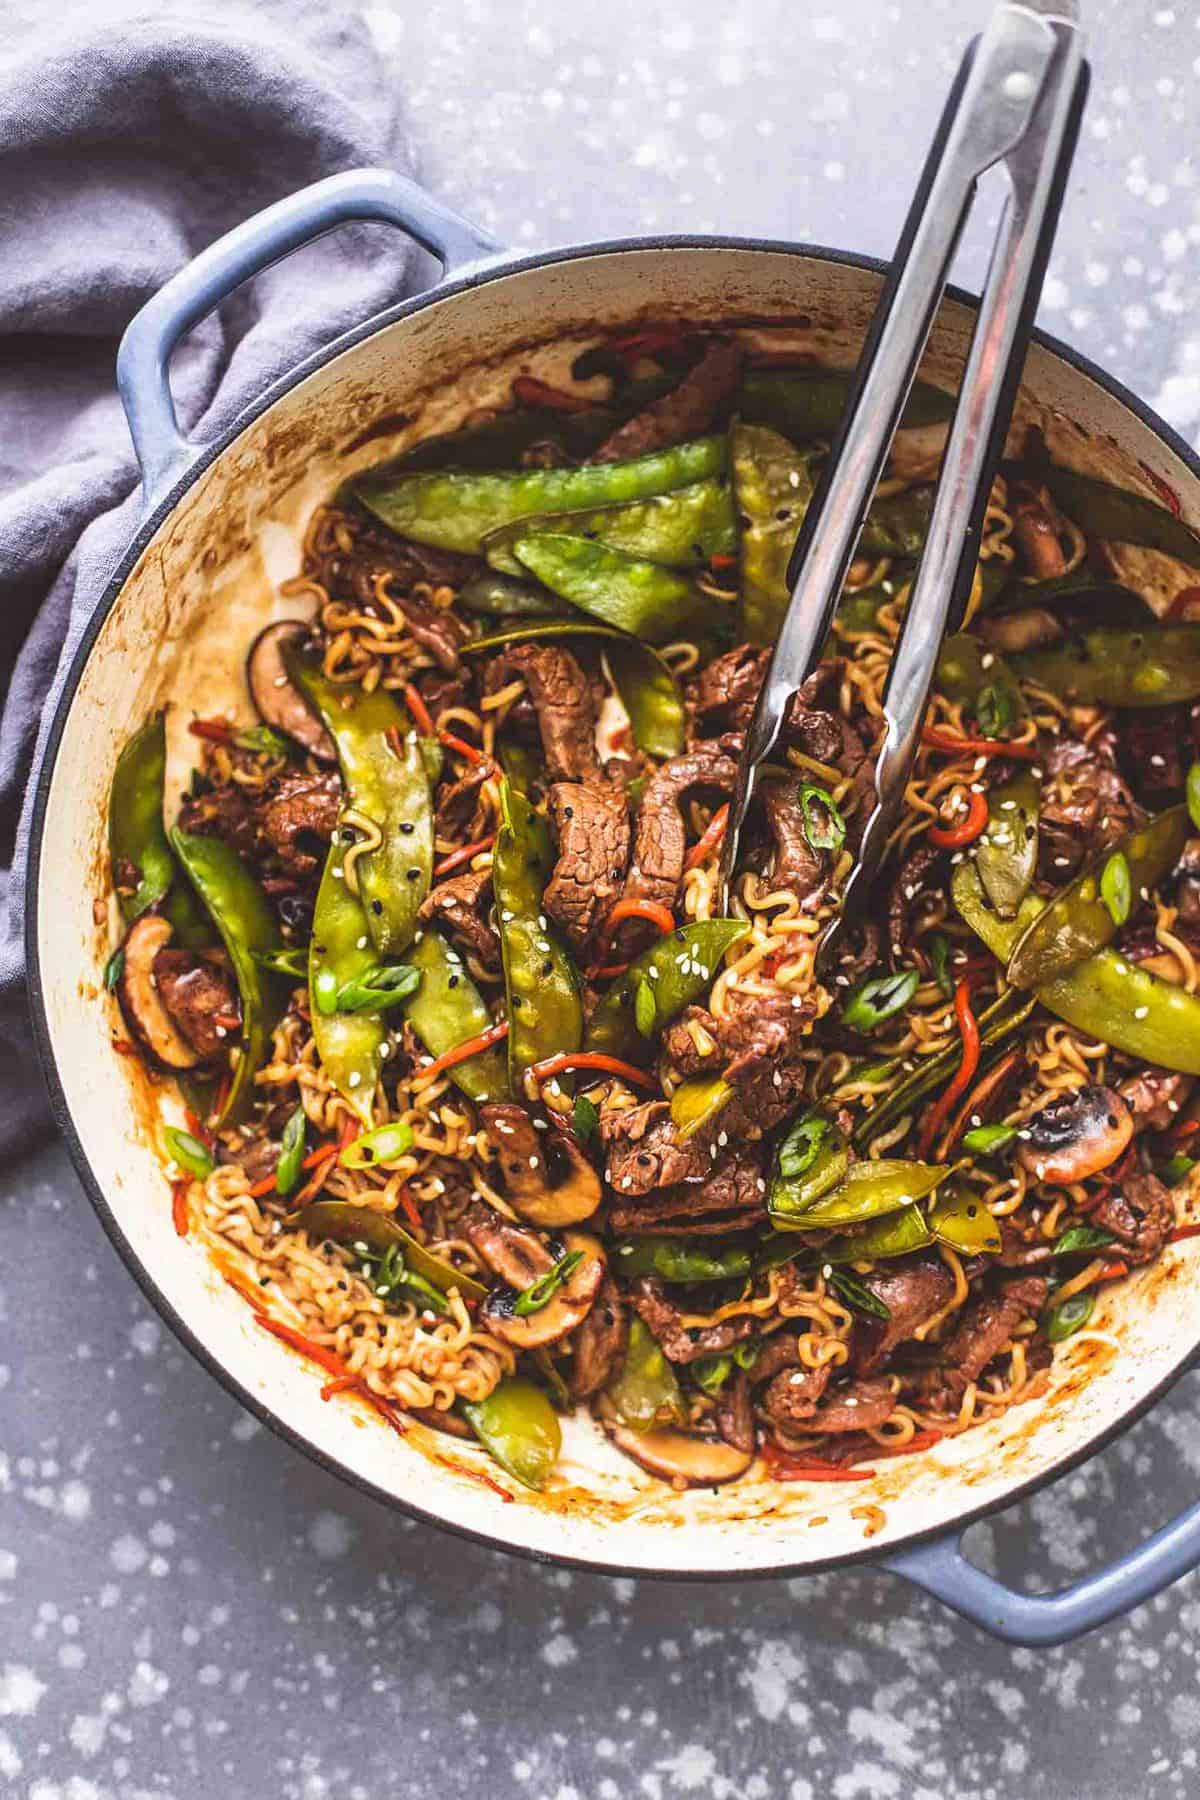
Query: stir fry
x,y
493,1116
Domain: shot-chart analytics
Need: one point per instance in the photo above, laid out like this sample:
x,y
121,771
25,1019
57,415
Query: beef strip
x,y
1022,1245
1140,1214
459,903
725,692
914,1292
461,810
662,1319
660,835
905,892
862,1406
600,1342
1156,1097
985,1328
690,409
298,819
1085,807
1187,886
790,1398
197,990
758,1046
229,813
441,691
735,1413
563,702
591,826
440,632
729,1195
796,867
1152,740
644,1151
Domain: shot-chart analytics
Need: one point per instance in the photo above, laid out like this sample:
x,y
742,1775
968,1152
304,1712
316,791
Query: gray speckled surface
x,y
187,1607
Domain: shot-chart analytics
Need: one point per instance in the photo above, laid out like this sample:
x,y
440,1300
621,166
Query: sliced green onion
x,y
645,1009
263,738
856,1296
824,826
291,1152
995,710
939,961
1063,1320
1176,1169
802,1145
746,1354
585,1117
1116,887
378,988
391,1274
712,1372
1082,1237
325,992
189,1153
386,1144
986,1140
880,998
113,969
539,1293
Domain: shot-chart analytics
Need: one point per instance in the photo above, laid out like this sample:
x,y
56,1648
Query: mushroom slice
x,y
137,991
517,1256
566,1196
1027,629
1077,1136
680,1458
563,1312
279,703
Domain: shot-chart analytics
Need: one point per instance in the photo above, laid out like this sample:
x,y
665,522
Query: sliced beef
x,y
1085,808
434,628
563,702
591,827
461,810
905,892
1152,745
985,1328
701,398
728,1195
735,1413
298,819
662,1319
861,1406
1156,1097
796,867
725,692
440,691
198,992
459,903
644,1151
758,1045
1187,887
600,1342
914,1292
441,633
791,1398
1140,1214
660,835
229,813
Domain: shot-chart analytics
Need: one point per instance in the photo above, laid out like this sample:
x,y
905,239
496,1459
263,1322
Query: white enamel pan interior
x,y
194,590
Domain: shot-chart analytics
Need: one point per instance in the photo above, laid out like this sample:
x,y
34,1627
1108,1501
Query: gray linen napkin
x,y
131,137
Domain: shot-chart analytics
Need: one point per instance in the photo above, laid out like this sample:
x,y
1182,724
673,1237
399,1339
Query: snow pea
x,y
772,483
645,1391
813,1160
682,1261
959,1218
696,1103
1104,511
870,1189
447,1010
809,402
520,1428
676,970
649,692
507,597
684,528
350,1044
1078,922
896,1234
137,837
387,781
643,598
239,910
979,679
1104,996
1006,854
344,1223
458,511
898,524
1154,665
545,1013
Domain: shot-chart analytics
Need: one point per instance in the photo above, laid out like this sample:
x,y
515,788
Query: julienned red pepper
x,y
179,1207
567,1060
784,1466
957,837
969,1030
343,1378
651,910
713,833
529,391
463,1052
422,718
953,745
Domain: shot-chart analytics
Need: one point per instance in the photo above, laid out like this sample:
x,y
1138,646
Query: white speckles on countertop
x,y
187,1607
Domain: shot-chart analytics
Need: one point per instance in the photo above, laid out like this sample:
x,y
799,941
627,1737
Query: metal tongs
x,y
1016,102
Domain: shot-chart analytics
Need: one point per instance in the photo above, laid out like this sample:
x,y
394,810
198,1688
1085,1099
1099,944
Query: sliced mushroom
x,y
1039,531
279,703
1077,1136
678,1457
137,991
564,1196
517,1256
563,1312
1028,629
600,1342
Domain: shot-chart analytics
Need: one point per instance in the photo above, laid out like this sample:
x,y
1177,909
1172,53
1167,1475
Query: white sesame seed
x,y
353,1078
1139,1012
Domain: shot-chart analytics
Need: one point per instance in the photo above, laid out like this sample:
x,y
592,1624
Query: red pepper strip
x,y
550,1066
1183,1231
1113,1271
340,1384
460,746
223,1088
456,858
1180,1133
529,391
938,1114
463,1052
479,1476
240,1285
179,1207
1163,489
265,1186
227,1021
962,746
217,731
409,1208
659,915
955,837
201,1131
784,1467
714,831
422,718
722,561
632,344
344,1381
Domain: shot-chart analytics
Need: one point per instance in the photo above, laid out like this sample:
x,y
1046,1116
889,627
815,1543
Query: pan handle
x,y
143,360
1041,1620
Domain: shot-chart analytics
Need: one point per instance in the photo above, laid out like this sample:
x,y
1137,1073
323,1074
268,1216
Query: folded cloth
x,y
130,137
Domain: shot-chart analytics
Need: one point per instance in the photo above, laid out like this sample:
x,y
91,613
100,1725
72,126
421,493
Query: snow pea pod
x,y
696,1103
239,910
447,1010
1104,511
897,524
896,1234
506,596
645,1391
681,1260
684,528
1105,996
643,598
458,511
649,692
981,681
772,483
349,1043
137,838
1154,665
1077,922
813,1159
677,970
1006,855
545,1013
520,1428
804,403
344,1223
388,782
870,1189
959,1218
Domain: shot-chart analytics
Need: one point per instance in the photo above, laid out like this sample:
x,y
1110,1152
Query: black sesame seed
x,y
413,874
407,827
